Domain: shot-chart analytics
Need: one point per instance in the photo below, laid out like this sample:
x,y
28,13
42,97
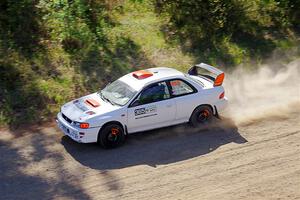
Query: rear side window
x,y
179,87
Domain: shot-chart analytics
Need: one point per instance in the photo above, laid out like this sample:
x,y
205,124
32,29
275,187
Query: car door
x,y
186,99
152,108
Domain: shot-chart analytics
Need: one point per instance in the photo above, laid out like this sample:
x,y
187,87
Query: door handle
x,y
169,105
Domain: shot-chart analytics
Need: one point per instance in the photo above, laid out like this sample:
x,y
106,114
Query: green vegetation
x,y
230,31
54,51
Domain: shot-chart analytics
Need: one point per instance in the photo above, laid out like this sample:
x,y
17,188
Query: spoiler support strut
x,y
216,75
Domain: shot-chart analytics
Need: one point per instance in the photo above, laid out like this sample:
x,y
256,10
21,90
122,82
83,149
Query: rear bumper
x,y
89,135
221,105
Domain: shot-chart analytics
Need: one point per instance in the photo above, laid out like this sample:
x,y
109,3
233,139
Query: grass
x,y
69,60
140,23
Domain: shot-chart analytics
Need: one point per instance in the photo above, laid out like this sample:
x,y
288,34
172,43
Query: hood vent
x,y
92,102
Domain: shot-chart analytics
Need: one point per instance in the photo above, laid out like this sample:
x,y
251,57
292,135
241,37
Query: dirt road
x,y
254,161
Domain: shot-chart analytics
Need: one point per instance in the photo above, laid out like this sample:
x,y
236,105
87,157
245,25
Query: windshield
x,y
118,93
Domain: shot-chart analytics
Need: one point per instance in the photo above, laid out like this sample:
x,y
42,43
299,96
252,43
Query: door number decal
x,y
145,110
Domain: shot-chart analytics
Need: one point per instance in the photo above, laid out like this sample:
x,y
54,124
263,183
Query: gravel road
x,y
258,160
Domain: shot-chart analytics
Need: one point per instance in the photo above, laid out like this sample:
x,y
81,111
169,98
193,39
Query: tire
x,y
111,136
201,116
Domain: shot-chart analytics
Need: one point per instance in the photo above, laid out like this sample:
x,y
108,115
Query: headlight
x,y
82,125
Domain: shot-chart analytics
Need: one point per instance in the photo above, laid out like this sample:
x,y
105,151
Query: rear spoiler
x,y
215,75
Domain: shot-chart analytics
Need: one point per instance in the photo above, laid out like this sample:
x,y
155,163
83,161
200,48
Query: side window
x,y
179,87
155,92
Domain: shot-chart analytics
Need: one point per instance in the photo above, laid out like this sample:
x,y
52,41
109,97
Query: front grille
x,y
66,118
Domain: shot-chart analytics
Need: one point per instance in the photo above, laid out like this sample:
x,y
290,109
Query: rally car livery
x,y
144,100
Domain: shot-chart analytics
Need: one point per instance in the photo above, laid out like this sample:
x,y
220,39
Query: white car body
x,y
95,111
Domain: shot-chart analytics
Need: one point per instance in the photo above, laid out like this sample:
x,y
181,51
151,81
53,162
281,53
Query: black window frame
x,y
169,90
148,86
186,82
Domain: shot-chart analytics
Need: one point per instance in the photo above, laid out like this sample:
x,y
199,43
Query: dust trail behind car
x,y
271,91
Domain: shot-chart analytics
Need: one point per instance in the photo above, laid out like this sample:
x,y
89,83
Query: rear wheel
x,y
111,136
202,115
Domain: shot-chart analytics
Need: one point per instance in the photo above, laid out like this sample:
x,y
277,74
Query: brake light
x,y
222,95
84,125
219,79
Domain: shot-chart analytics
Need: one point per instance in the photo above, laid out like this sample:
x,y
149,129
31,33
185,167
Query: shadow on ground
x,y
35,165
21,162
157,147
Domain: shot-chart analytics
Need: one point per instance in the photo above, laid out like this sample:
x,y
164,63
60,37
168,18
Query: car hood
x,y
86,107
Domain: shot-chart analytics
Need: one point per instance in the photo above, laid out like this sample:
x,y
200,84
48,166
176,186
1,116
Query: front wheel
x,y
111,136
202,115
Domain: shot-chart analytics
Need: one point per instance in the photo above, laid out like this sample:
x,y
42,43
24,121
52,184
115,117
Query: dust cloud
x,y
272,90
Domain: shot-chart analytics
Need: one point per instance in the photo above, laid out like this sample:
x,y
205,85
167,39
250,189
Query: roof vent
x,y
141,74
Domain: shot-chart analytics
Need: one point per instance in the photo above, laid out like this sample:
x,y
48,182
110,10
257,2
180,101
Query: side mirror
x,y
135,102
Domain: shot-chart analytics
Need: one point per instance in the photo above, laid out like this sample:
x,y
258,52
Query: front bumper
x,y
89,135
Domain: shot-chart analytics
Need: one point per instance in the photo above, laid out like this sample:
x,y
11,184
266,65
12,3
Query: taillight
x,y
222,95
84,125
219,80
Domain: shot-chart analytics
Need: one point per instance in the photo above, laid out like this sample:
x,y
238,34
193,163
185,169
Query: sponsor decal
x,y
144,116
90,112
145,110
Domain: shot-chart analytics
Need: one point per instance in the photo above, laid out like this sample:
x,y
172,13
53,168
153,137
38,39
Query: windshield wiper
x,y
101,95
111,102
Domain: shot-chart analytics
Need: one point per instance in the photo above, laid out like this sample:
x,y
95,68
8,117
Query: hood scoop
x,y
92,102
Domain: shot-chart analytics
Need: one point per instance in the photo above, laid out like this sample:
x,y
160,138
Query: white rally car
x,y
144,100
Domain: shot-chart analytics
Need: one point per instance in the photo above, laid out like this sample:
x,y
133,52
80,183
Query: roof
x,y
159,73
